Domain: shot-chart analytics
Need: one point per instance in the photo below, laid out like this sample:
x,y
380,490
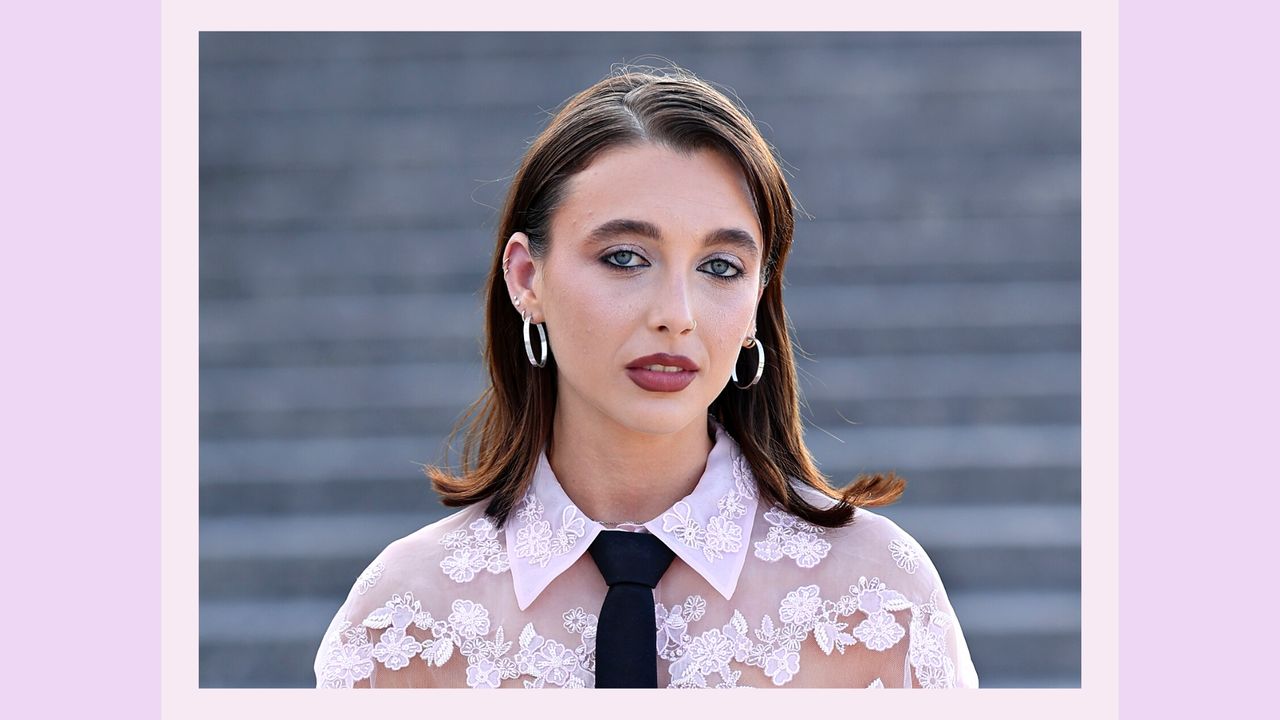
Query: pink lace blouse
x,y
755,597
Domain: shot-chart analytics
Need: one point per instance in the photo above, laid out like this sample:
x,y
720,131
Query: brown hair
x,y
511,423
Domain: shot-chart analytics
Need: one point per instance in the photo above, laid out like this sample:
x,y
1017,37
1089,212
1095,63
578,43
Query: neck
x,y
617,475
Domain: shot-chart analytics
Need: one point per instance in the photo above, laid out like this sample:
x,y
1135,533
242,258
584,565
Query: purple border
x,y
80,309
90,134
1198,358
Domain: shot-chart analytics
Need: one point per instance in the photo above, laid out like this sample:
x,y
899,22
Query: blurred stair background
x,y
349,186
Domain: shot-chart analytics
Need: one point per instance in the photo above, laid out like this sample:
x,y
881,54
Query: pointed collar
x,y
709,528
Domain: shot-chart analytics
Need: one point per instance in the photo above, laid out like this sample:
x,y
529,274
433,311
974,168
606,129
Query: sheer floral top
x,y
755,597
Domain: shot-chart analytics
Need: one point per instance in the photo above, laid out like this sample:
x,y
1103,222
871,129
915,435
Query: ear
x,y
522,276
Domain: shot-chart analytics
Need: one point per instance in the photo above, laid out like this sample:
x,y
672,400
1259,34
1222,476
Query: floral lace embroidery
x,y
792,537
348,649
694,658
928,648
473,552
370,576
904,555
536,542
744,482
776,648
722,534
350,655
347,653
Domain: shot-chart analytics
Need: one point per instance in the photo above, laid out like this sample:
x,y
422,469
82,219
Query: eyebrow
x,y
735,237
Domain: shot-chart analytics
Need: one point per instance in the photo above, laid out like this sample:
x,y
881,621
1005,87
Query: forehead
x,y
684,194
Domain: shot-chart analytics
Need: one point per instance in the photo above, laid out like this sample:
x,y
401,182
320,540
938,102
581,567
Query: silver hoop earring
x,y
759,366
528,346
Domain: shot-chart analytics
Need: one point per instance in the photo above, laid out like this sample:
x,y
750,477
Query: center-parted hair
x,y
511,423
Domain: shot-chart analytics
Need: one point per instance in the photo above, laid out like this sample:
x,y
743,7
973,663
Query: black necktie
x,y
627,632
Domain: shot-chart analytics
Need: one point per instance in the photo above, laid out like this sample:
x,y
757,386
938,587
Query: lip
x,y
679,361
657,380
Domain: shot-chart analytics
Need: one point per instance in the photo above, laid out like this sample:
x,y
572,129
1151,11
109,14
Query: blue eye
x,y
624,256
721,268
622,260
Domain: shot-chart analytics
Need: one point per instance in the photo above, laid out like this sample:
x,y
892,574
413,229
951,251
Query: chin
x,y
658,418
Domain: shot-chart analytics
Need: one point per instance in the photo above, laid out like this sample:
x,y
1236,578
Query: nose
x,y
672,311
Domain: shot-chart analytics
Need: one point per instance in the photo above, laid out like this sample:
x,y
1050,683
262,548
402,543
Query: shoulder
x,y
876,547
872,550
874,584
895,573
424,564
396,607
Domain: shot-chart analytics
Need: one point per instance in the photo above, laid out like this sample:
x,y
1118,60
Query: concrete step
x,y
362,535
839,184
441,137
932,376
444,386
412,81
375,317
297,618
234,49
431,255
1009,660
1036,661
819,343
929,128
985,526
336,280
411,492
995,568
940,188
244,538
352,318
841,250
1048,485
847,242
877,449
451,137
815,273
865,449
436,418
958,305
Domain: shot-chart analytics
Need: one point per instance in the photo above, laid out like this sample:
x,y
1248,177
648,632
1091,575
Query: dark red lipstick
x,y
662,380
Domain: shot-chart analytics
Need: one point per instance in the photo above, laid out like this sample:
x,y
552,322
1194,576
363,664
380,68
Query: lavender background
x,y
110,294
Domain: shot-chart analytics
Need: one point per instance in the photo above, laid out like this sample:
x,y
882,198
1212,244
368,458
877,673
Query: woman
x,y
643,420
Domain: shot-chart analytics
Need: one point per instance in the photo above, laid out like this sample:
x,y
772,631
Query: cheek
x,y
726,326
731,314
587,321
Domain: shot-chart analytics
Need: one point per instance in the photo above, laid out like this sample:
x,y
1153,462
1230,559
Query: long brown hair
x,y
511,423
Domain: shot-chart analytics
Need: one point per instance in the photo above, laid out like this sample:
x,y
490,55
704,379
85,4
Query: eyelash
x,y
738,272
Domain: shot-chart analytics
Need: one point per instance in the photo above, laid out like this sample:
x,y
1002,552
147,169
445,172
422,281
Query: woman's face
x,y
651,252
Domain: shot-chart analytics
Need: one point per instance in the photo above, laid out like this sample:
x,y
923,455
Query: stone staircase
x,y
348,187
